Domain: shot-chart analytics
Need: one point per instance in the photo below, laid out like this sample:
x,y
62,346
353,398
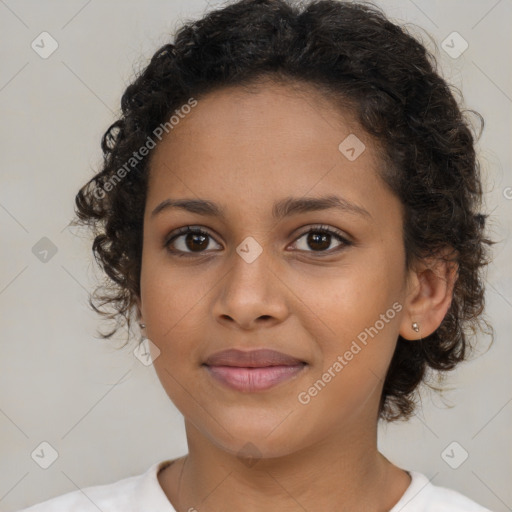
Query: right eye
x,y
193,238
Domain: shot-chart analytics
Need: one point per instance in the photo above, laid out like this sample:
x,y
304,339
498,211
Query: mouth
x,y
251,359
251,371
255,378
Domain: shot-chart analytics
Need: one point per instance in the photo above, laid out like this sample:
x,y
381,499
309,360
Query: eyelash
x,y
314,229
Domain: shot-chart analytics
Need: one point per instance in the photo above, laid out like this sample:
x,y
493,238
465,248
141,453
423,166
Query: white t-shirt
x,y
143,493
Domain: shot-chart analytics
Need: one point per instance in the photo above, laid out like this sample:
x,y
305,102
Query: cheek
x,y
354,315
171,299
352,358
339,303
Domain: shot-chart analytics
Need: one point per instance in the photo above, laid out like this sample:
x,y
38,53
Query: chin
x,y
248,442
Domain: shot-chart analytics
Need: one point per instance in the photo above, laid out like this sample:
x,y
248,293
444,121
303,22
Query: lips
x,y
253,371
252,359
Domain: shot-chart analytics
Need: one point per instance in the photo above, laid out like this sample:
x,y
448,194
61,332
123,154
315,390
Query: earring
x,y
415,326
142,326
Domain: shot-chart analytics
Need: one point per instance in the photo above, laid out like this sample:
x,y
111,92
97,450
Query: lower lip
x,y
253,379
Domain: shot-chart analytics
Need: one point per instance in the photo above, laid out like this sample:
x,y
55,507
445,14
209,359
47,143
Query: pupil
x,y
319,238
195,236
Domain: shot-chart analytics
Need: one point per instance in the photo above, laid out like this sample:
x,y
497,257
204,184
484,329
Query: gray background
x,y
102,410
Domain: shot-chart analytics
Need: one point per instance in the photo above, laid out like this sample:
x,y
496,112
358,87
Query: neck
x,y
329,475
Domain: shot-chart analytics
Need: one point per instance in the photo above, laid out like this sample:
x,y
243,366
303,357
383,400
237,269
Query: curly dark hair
x,y
361,61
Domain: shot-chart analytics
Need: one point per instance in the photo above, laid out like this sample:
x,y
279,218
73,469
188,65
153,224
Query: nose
x,y
250,294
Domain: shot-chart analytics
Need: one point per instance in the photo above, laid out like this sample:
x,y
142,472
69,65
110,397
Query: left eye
x,y
196,240
321,237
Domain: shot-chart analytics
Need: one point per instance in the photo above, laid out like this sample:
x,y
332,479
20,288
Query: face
x,y
331,299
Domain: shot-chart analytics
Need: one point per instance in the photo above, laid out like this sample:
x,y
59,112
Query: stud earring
x,y
142,326
415,326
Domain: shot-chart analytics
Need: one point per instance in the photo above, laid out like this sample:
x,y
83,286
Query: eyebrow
x,y
281,209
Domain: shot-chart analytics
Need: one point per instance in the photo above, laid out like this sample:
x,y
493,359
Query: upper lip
x,y
252,358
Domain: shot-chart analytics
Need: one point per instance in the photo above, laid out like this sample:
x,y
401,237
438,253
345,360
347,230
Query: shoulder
x,y
423,496
129,494
110,497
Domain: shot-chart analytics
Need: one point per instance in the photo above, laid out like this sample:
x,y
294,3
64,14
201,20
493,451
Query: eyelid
x,y
187,229
324,227
334,232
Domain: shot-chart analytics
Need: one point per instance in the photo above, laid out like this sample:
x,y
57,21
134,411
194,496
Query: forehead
x,y
282,115
253,147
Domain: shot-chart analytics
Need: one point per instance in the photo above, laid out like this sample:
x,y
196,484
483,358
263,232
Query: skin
x,y
322,455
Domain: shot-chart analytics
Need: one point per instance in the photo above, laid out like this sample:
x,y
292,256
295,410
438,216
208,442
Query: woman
x,y
289,208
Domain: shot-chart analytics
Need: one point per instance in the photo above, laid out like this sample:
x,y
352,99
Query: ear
x,y
429,295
